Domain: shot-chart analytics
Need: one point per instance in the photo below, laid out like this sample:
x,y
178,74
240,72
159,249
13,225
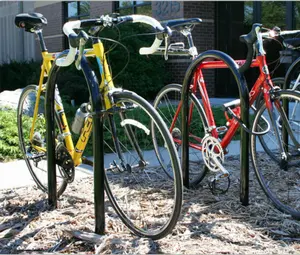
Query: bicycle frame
x,y
263,84
75,151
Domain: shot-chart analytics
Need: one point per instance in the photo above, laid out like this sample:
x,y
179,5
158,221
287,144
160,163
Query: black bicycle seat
x,y
180,23
30,21
292,42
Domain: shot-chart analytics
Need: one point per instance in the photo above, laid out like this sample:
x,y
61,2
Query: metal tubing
x,y
50,134
244,97
98,142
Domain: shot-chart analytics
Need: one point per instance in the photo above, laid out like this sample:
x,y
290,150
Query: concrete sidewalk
x,y
15,174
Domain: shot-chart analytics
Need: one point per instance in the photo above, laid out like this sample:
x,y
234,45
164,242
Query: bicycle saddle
x,y
179,24
292,42
30,21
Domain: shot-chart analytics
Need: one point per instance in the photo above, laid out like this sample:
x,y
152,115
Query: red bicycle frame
x,y
263,83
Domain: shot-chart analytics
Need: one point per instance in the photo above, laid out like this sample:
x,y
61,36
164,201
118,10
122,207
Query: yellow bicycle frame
x,y
105,86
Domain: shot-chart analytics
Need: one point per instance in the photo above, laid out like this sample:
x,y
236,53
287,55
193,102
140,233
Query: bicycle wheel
x,y
34,149
167,103
280,181
146,199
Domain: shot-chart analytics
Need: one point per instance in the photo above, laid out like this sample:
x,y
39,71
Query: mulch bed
x,y
209,224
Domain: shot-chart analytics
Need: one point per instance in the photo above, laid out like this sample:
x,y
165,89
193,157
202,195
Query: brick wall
x,y
203,37
53,34
203,34
99,8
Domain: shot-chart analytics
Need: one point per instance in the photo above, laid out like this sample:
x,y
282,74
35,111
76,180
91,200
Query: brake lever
x,y
166,47
83,38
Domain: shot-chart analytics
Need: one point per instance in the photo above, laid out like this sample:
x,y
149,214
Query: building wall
x,y
203,35
15,44
99,8
53,34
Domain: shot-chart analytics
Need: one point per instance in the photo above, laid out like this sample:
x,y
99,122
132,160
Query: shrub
x,y
15,75
9,140
144,75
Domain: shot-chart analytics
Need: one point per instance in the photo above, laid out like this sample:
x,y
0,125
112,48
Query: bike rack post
x,y
50,136
98,142
244,97
244,144
96,103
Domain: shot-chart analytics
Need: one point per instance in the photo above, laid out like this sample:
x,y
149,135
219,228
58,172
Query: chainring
x,y
212,151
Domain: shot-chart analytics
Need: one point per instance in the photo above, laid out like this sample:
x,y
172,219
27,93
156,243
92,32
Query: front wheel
x,y
279,178
145,198
33,146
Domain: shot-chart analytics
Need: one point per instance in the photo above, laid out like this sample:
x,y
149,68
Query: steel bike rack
x,y
96,103
244,97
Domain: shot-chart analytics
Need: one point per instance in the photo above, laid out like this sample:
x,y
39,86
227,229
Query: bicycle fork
x,y
286,130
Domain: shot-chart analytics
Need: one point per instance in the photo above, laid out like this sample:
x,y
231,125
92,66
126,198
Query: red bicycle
x,y
275,132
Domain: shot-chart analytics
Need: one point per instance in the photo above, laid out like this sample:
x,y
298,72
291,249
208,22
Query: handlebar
x,y
255,36
250,39
272,33
108,21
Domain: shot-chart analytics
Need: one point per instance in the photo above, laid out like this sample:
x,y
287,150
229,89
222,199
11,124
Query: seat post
x,y
41,39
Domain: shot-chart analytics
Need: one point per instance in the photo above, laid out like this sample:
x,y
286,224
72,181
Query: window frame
x,y
134,6
79,16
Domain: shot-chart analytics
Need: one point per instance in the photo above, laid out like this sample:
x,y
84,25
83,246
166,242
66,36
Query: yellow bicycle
x,y
139,154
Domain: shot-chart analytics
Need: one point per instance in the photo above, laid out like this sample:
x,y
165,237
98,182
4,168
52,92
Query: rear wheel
x,y
34,149
168,105
146,199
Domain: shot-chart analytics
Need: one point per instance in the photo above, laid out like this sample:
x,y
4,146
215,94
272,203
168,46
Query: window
x,y
248,13
296,15
77,10
273,13
134,7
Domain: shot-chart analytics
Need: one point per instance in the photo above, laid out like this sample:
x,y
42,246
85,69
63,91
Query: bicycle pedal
x,y
219,184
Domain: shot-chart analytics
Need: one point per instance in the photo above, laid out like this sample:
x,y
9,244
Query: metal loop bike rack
x,y
244,97
98,142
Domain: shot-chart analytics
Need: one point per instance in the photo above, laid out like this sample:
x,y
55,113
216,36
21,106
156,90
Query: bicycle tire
x,y
158,211
35,158
275,179
166,103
